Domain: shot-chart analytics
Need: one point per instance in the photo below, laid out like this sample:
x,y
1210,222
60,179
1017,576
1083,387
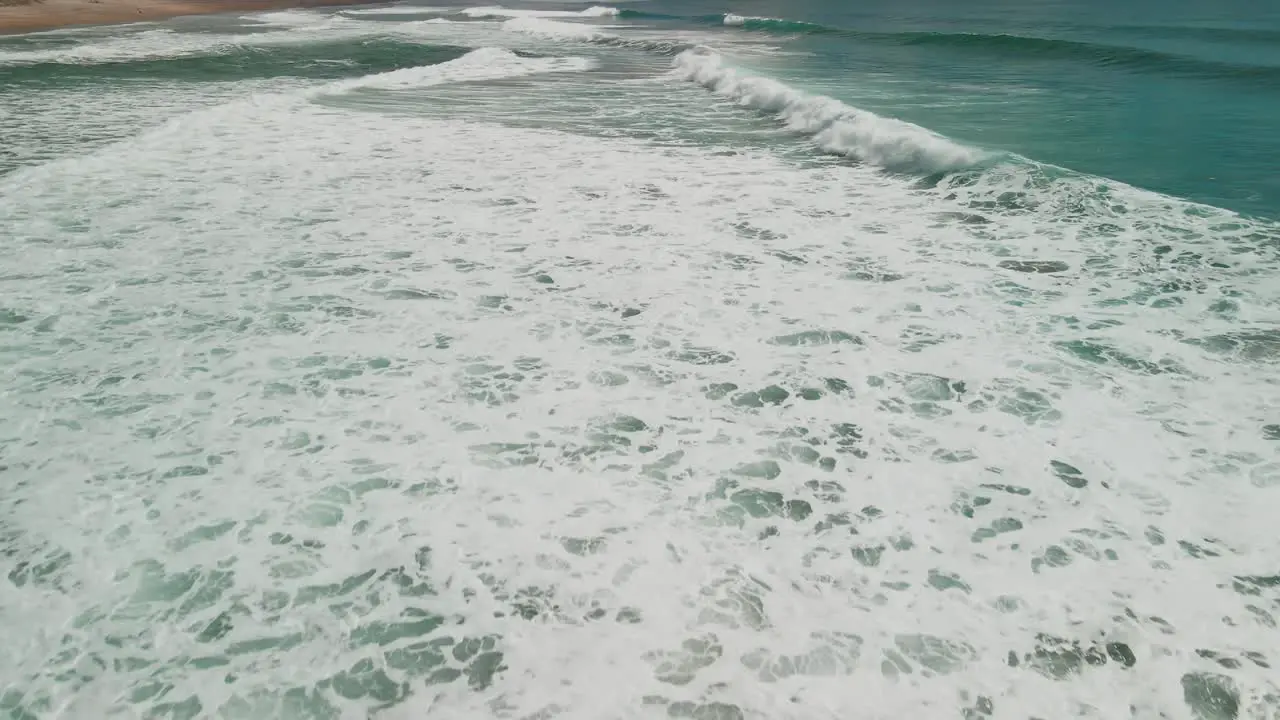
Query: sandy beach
x,y
18,16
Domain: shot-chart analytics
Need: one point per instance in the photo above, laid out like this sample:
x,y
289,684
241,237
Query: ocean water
x,y
649,360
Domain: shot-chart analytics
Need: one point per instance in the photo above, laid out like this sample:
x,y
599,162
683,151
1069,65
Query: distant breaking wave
x,y
832,125
496,12
400,10
757,23
558,30
541,27
486,63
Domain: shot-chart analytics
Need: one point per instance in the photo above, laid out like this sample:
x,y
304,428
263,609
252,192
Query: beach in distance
x,y
19,16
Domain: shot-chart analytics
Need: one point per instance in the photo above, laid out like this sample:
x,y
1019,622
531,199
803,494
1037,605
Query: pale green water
x,y
549,362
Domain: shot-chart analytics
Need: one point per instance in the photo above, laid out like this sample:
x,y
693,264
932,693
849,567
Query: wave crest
x,y
832,125
486,63
541,27
594,11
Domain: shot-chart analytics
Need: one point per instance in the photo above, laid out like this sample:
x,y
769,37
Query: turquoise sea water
x,y
1180,98
659,359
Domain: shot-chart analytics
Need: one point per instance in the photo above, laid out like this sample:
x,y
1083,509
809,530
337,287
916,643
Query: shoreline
x,y
42,15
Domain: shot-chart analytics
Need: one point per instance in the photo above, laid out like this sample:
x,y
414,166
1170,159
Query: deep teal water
x,y
1178,97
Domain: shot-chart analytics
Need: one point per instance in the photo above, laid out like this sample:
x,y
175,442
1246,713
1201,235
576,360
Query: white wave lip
x,y
733,20
540,27
833,126
401,10
294,18
482,64
594,11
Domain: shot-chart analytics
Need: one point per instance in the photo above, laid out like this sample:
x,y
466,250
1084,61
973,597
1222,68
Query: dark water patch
x,y
995,528
943,581
1068,474
1059,658
319,61
771,395
935,654
415,294
1231,662
1114,56
1211,696
1264,36
1034,266
11,317
1101,354
1011,489
1257,345
705,711
702,356
629,14
759,503
816,337
1256,584
962,218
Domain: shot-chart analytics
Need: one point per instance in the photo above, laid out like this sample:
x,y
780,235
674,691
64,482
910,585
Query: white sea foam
x,y
541,27
517,348
400,10
480,64
313,410
734,20
295,18
490,12
832,125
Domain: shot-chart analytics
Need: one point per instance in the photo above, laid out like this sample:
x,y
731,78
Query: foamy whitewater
x,y
401,361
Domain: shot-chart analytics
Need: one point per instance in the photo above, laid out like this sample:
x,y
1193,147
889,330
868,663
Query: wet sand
x,y
18,16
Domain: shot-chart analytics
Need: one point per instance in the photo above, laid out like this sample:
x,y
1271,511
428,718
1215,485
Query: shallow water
x,y
551,362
